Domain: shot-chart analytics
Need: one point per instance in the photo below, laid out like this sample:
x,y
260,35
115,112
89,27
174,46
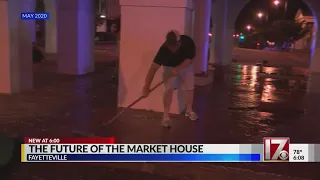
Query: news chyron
x,y
276,149
35,16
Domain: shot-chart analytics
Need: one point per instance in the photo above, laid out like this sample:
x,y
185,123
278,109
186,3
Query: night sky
x,y
248,15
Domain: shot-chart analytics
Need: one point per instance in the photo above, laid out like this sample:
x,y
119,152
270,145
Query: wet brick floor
x,y
238,107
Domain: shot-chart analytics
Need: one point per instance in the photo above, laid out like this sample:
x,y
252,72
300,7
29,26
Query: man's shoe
x,y
191,115
166,122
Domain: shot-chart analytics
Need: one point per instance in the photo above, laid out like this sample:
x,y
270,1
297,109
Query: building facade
x,y
307,20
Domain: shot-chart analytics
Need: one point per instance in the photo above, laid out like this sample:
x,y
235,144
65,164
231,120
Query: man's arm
x,y
157,62
186,63
150,75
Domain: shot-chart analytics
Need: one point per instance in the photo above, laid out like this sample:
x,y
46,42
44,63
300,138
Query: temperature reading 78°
x,y
297,151
298,155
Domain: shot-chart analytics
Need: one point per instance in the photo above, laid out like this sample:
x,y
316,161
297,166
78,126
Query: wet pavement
x,y
276,58
238,107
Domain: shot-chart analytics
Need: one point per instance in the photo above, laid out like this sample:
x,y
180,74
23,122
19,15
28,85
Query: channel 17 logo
x,y
276,149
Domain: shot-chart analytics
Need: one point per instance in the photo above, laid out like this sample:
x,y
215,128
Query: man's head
x,y
173,40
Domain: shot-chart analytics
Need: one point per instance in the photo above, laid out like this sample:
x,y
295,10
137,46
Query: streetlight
x,y
249,27
260,15
276,2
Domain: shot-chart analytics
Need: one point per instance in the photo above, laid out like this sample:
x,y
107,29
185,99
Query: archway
x,y
223,26
278,68
224,30
275,26
76,41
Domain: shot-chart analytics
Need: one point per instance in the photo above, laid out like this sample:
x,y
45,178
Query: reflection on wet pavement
x,y
242,108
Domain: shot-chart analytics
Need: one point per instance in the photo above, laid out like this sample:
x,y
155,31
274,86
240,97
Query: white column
x,y
15,48
75,22
51,27
139,44
224,18
30,5
201,37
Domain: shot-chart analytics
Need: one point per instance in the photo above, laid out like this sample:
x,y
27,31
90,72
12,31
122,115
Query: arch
x,y
313,5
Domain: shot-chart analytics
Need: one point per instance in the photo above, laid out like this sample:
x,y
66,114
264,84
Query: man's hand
x,y
145,91
186,63
174,72
152,71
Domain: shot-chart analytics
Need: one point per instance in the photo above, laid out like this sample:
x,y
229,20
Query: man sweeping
x,y
176,56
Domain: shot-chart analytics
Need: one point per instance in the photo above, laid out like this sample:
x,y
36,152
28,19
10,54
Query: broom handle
x,y
134,102
142,97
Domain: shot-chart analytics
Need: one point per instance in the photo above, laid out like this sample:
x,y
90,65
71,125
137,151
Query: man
x,y
175,55
37,55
